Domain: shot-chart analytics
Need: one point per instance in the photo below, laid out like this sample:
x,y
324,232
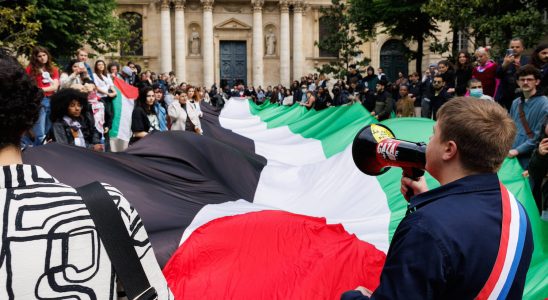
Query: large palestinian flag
x,y
268,203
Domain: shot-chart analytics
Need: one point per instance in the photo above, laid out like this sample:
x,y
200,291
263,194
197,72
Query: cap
x,y
127,70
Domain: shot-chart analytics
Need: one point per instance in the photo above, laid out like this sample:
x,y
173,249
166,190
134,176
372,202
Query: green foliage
x,y
402,18
499,20
132,44
68,25
440,46
342,40
18,27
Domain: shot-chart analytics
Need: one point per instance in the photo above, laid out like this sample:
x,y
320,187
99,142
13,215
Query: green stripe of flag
x,y
117,112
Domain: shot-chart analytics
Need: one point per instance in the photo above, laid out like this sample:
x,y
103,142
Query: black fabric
x,y
139,120
167,176
109,111
118,244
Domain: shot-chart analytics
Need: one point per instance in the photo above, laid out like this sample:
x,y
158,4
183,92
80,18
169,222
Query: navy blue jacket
x,y
447,246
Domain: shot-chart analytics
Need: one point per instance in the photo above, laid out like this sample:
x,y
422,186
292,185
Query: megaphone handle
x,y
409,194
414,174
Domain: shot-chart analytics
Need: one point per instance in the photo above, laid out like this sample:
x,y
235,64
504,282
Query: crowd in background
x,y
77,107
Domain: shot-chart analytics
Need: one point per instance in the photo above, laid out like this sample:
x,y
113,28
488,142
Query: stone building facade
x,y
259,42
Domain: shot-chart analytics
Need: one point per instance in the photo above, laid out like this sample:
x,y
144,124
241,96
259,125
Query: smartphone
x,y
510,52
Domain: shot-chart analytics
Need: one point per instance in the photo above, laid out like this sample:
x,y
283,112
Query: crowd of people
x,y
77,104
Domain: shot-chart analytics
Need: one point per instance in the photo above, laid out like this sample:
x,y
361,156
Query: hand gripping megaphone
x,y
375,149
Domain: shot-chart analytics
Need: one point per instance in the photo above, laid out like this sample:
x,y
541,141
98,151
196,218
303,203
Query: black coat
x,y
538,169
61,132
508,90
415,89
462,78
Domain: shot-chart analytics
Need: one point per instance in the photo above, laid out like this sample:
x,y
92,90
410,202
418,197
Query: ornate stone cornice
x,y
207,5
299,7
164,4
284,6
179,4
257,5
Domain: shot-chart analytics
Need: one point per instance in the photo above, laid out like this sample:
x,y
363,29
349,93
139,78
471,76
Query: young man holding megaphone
x,y
469,238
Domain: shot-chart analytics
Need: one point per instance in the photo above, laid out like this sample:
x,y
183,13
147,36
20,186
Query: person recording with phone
x,y
449,244
74,74
508,89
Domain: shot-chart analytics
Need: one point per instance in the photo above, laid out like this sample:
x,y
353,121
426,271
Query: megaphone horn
x,y
375,149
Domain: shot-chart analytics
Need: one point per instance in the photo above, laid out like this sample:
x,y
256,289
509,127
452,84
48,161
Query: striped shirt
x,y
50,248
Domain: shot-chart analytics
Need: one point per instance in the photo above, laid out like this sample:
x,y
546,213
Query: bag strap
x,y
118,244
524,121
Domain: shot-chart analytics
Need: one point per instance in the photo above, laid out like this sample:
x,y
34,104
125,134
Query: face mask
x,y
303,90
476,93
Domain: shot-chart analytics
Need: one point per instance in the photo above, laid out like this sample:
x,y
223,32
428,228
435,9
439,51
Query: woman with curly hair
x,y
72,122
46,75
20,99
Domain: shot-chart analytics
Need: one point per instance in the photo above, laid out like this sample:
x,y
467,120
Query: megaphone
x,y
375,149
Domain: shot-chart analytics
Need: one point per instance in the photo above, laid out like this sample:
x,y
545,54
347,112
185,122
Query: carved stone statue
x,y
194,42
270,43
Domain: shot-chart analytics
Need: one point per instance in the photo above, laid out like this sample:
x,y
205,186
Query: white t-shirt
x,y
50,247
103,84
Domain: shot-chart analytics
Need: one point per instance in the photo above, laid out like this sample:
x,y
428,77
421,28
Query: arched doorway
x,y
393,59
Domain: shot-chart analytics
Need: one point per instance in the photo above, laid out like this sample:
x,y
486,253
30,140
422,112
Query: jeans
x,y
43,125
426,108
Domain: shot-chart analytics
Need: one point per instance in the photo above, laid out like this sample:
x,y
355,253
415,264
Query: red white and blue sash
x,y
513,232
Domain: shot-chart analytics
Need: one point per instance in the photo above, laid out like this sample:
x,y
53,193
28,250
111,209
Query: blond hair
x,y
482,130
484,50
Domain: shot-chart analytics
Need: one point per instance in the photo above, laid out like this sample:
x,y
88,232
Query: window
x,y
325,31
462,43
132,45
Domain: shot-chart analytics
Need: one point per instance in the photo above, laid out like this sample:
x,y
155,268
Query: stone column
x,y
298,60
207,45
180,40
258,51
284,44
165,19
